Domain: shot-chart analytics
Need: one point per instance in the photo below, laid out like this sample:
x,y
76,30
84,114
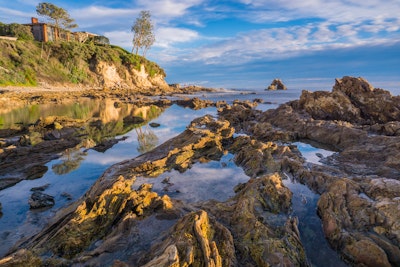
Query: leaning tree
x,y
57,15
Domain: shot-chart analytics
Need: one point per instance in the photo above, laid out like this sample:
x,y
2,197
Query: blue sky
x,y
247,43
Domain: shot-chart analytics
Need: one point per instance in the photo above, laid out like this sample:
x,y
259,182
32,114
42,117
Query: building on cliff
x,y
44,32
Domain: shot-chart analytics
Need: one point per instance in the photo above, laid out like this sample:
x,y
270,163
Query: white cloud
x,y
166,36
336,11
163,10
282,43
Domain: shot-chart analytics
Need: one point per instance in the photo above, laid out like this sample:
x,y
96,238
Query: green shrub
x,y
22,32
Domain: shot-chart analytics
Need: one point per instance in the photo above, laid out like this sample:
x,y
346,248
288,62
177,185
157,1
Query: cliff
x,y
73,64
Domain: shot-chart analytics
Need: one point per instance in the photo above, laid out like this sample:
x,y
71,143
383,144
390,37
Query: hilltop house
x,y
44,32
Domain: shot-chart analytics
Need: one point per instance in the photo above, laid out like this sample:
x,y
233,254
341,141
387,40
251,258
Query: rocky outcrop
x,y
195,239
276,84
40,200
123,224
353,100
113,223
359,185
364,229
343,123
257,241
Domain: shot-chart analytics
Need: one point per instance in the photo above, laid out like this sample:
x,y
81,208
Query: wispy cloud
x,y
275,43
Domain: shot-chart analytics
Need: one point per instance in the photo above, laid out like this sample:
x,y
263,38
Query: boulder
x,y
276,84
376,105
154,124
40,200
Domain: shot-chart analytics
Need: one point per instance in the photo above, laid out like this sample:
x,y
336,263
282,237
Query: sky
x,y
245,44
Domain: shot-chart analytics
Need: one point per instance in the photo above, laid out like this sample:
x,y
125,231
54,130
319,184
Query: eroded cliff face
x,y
110,76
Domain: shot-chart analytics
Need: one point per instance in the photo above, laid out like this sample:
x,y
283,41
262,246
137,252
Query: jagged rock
x,y
256,158
280,242
111,205
355,211
52,135
112,210
40,200
277,84
195,239
329,106
376,105
346,211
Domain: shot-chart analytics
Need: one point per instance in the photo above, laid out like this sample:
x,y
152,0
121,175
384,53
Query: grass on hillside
x,y
25,63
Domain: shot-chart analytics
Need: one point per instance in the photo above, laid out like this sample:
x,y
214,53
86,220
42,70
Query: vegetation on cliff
x,y
27,63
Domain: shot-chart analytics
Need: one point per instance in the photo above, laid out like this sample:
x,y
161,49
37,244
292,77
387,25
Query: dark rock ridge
x,y
277,84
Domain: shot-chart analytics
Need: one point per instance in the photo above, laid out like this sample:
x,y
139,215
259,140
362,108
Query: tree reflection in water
x,y
72,160
147,139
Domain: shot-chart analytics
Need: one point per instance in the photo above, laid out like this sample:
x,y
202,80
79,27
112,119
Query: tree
x,y
143,37
57,15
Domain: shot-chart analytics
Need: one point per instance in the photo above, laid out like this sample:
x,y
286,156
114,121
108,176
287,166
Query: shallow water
x,y
19,221
272,99
203,181
312,154
70,176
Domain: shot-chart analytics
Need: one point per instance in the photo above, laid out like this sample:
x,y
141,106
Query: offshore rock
x,y
276,84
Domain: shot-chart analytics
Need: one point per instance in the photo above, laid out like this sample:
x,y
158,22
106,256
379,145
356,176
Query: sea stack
x,y
276,84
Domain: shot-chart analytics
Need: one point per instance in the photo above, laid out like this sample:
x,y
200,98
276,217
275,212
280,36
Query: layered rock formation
x,y
114,224
359,185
